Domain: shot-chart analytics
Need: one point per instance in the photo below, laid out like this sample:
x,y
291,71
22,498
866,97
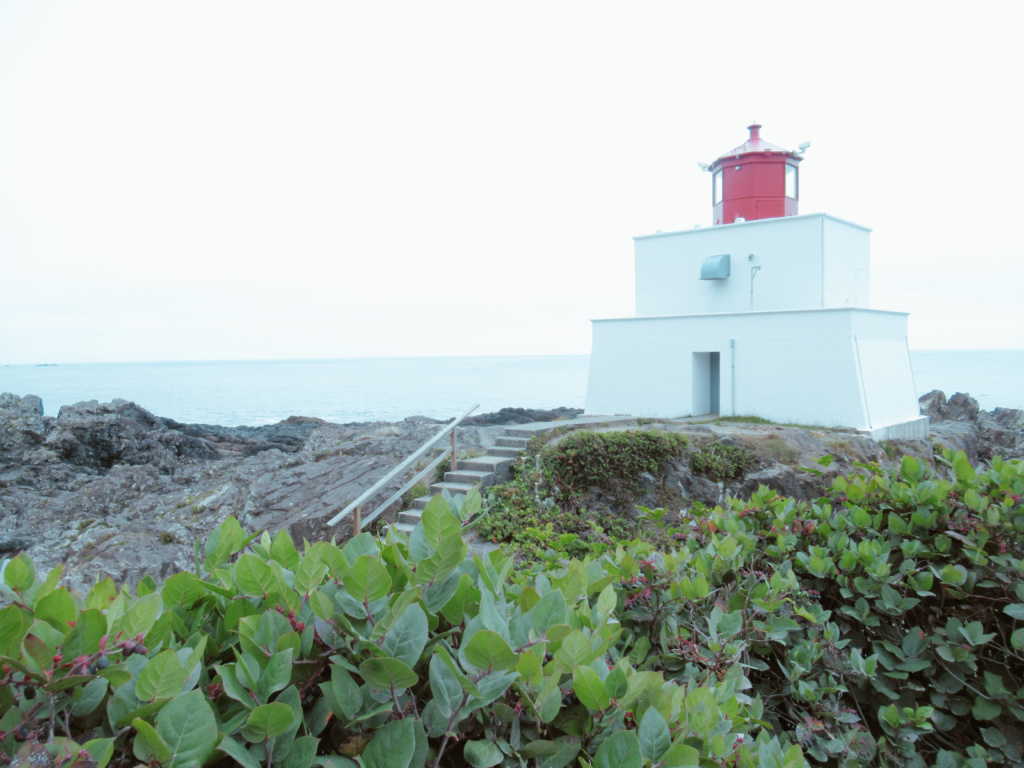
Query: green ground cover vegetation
x,y
882,624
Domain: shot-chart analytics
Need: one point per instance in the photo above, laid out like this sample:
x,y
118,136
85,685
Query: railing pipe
x,y
375,488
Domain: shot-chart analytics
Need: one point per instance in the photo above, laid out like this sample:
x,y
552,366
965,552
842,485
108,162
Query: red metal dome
x,y
756,180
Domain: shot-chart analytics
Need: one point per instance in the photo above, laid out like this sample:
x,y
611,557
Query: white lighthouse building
x,y
764,314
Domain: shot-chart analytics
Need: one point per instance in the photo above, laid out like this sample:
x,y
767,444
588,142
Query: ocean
x,y
259,392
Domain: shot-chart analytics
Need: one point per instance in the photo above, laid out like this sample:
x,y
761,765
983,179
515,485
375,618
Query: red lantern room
x,y
756,180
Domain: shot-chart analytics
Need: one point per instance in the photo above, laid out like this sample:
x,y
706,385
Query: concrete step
x,y
500,450
403,527
522,433
464,474
421,502
485,463
410,516
507,441
497,466
453,488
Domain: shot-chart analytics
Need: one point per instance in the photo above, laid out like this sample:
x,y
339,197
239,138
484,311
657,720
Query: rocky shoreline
x,y
113,490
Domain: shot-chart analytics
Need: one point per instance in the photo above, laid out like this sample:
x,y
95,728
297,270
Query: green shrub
x,y
720,463
384,653
611,461
880,625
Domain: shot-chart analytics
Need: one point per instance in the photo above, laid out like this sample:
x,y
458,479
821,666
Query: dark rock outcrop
x,y
960,424
100,436
112,489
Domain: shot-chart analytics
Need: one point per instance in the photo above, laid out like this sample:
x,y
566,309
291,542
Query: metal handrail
x,y
375,488
401,491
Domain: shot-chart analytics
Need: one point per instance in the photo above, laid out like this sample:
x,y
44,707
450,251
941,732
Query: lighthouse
x,y
765,314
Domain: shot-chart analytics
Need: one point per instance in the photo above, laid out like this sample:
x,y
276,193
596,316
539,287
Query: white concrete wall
x,y
791,366
847,265
805,262
887,378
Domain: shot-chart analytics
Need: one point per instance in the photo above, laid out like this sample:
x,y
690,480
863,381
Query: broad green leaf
x,y
342,694
606,602
162,677
962,467
439,523
19,574
102,594
450,552
1015,610
84,639
140,617
310,574
482,754
445,686
681,755
253,577
406,640
700,586
282,549
550,610
367,579
85,699
654,735
187,725
302,753
100,751
615,683
620,750
148,745
589,688
549,703
181,589
974,633
574,651
57,609
539,748
953,574
334,761
383,674
392,746
237,752
267,722
359,546
277,674
487,650
14,624
984,709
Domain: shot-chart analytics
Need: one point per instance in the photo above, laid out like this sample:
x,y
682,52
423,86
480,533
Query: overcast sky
x,y
250,180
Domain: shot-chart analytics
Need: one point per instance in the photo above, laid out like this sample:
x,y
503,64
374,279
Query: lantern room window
x,y
716,185
791,186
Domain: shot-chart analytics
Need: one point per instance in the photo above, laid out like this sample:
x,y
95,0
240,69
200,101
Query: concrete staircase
x,y
482,471
494,467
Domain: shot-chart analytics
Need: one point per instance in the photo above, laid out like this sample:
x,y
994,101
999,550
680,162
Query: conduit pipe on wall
x,y
732,376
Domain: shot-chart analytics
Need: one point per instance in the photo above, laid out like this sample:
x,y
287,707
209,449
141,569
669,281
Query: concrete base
x,y
915,429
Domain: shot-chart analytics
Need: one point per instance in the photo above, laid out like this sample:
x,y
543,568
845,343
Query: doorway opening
x,y
706,383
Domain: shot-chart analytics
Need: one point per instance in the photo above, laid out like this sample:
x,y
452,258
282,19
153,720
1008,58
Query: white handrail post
x,y
358,521
453,467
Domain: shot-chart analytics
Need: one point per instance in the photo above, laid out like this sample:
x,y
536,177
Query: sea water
x,y
389,389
